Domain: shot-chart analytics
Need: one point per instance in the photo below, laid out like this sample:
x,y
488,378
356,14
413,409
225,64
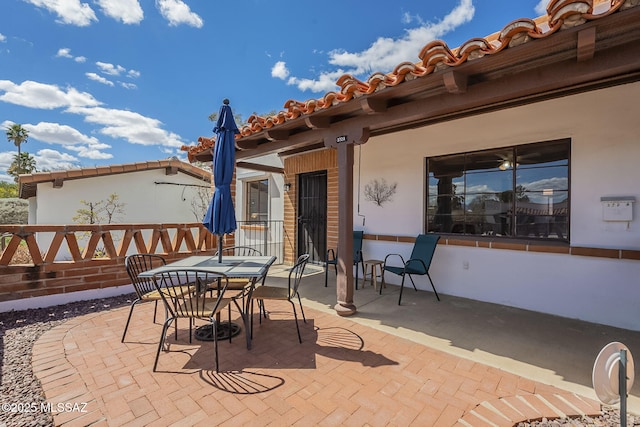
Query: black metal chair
x,y
265,292
144,287
418,264
205,302
240,251
358,237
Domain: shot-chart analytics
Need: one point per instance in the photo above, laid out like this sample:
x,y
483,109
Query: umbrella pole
x,y
220,248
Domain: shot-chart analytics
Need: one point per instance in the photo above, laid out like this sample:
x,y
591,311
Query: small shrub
x,y
22,256
14,211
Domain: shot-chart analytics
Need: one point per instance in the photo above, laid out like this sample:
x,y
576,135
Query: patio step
x,y
508,411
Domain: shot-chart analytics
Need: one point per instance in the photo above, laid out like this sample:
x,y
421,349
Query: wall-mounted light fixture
x,y
287,187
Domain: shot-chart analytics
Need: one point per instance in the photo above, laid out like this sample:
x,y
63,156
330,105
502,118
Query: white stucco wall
x,y
276,187
273,237
146,195
605,151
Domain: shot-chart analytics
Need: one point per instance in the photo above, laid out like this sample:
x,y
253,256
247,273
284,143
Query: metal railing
x,y
265,236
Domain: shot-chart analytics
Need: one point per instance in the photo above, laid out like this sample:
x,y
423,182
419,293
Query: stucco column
x,y
345,285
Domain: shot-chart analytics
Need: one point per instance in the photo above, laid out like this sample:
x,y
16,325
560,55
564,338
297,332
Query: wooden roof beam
x,y
317,122
455,82
259,167
277,134
373,106
586,44
242,144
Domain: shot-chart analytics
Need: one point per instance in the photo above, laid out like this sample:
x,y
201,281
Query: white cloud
x,y
134,127
6,158
69,11
280,70
541,7
542,184
3,38
385,53
112,70
130,126
127,11
90,152
99,79
43,96
70,138
47,159
128,85
55,133
178,12
64,52
117,70
407,18
325,82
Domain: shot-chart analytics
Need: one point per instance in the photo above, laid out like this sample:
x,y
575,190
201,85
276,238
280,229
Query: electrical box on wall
x,y
617,208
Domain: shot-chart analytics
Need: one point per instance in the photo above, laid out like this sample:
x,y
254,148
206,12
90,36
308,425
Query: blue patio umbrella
x,y
221,217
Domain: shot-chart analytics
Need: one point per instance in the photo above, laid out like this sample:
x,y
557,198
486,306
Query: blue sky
x,y
101,82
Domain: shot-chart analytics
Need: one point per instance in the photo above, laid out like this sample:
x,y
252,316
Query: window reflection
x,y
518,191
258,200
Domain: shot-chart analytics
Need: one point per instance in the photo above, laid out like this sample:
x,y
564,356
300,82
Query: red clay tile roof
x,y
436,55
28,182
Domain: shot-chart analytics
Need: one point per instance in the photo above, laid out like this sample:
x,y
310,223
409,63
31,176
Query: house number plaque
x,y
341,138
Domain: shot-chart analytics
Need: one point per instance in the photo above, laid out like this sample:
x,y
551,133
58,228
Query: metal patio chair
x,y
236,283
144,287
264,292
205,302
332,259
418,264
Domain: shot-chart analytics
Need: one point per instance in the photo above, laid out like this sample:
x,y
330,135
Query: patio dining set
x,y
203,287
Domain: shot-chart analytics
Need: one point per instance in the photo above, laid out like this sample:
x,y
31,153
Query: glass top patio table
x,y
233,266
246,267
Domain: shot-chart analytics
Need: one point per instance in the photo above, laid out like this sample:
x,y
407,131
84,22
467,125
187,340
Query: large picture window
x,y
520,191
257,200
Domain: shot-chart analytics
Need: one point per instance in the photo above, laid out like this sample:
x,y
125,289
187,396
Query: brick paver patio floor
x,y
343,374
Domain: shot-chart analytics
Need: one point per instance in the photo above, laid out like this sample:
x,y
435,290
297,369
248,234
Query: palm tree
x,y
24,163
17,134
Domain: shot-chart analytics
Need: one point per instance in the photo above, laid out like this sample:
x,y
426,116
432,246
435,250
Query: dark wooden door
x,y
312,215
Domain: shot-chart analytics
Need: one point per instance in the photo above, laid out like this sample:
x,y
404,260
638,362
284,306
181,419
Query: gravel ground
x,y
20,389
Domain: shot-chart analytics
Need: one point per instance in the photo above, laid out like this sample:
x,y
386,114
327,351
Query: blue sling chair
x,y
332,259
418,264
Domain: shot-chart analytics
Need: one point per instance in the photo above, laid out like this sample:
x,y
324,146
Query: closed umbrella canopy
x,y
221,217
